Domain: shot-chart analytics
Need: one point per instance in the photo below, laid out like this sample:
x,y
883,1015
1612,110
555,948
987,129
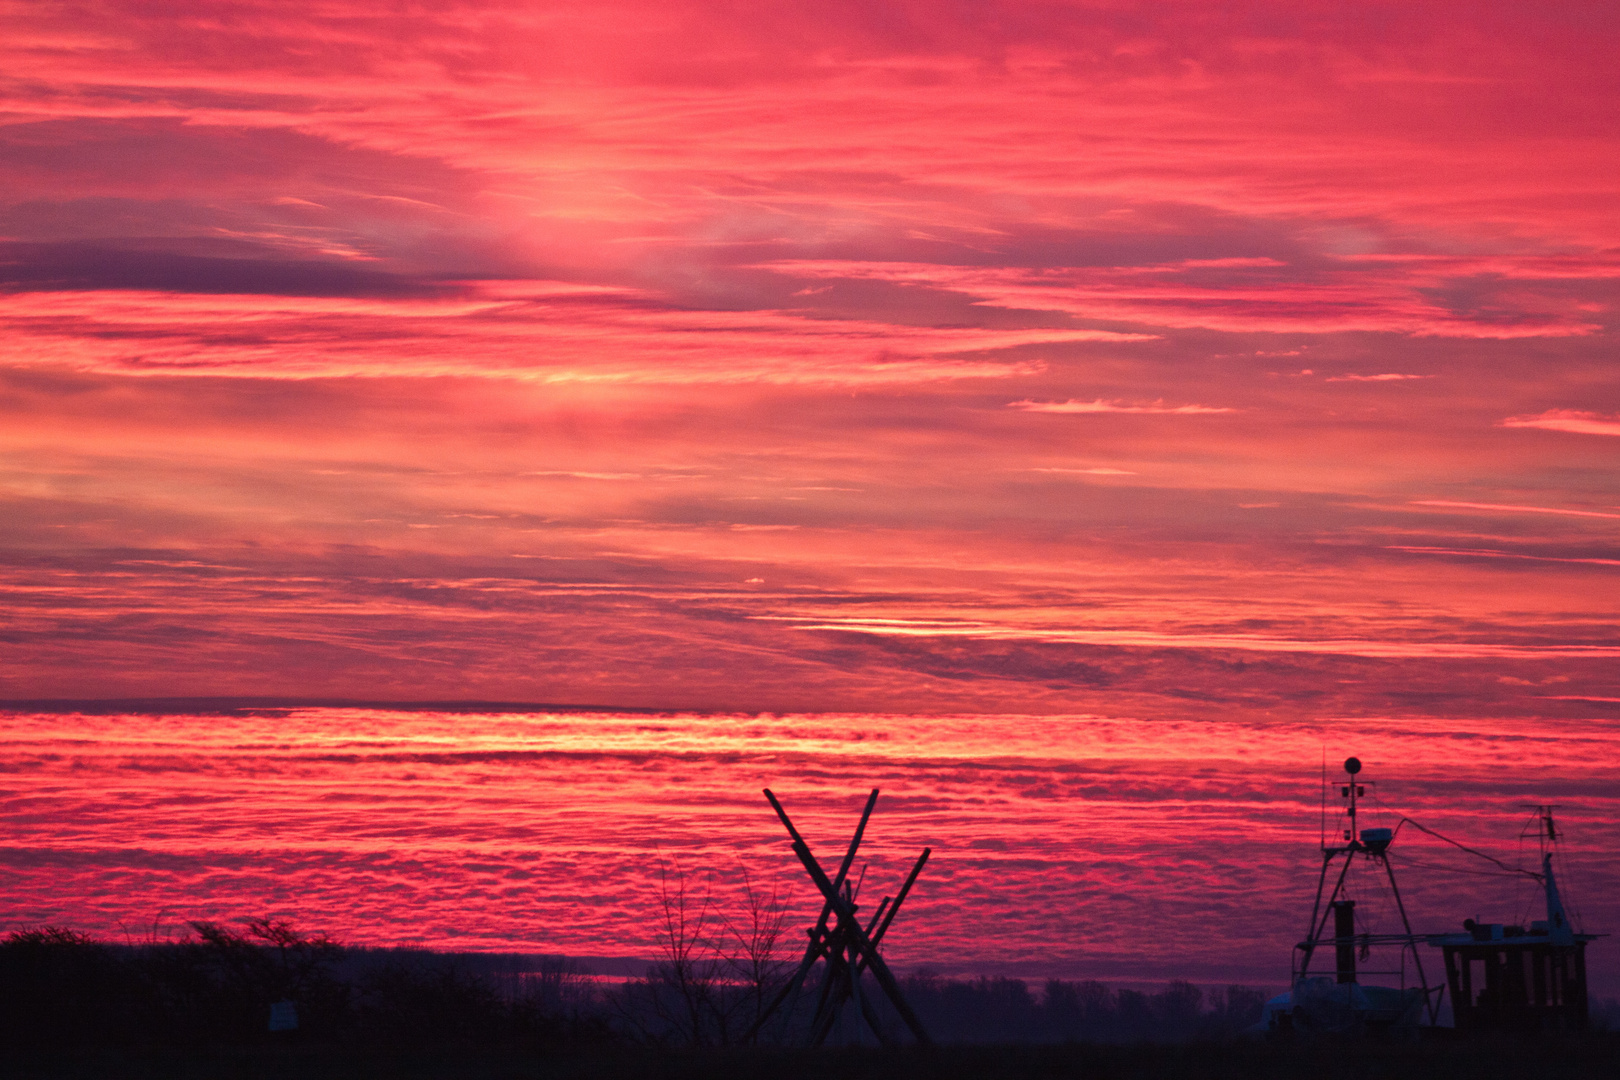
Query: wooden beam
x,y
850,926
861,945
911,879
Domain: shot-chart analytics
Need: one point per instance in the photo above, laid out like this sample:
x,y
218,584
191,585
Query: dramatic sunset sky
x,y
1165,362
813,356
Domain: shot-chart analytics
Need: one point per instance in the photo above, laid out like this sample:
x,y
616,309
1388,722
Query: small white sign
x,y
283,1016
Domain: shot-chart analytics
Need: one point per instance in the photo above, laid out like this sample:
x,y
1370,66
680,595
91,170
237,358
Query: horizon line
x,y
223,702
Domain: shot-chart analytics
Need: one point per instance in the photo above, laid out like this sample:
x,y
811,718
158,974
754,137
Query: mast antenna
x,y
1370,846
1322,826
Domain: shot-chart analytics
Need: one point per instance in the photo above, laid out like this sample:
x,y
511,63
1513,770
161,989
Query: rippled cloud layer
x,y
1120,848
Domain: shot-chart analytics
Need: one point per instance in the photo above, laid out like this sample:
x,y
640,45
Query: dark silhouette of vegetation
x,y
229,979
201,1005
217,986
1000,1010
715,974
1590,1057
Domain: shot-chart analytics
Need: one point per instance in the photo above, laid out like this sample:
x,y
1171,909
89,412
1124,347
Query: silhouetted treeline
x,y
1008,1011
668,1007
216,988
60,989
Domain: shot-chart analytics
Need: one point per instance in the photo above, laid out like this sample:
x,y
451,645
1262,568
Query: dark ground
x,y
75,1009
1595,1056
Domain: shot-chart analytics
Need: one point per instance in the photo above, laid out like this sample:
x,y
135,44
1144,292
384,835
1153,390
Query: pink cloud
x,y
1395,296
1571,420
1485,553
457,814
1017,627
1513,508
1100,471
1100,406
696,290
551,332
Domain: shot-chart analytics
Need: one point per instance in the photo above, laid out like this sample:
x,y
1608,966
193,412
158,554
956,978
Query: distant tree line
x,y
219,985
1002,1010
718,971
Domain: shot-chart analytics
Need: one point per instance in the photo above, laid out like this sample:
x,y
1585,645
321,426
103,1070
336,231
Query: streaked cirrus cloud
x,y
1574,421
441,349
1101,406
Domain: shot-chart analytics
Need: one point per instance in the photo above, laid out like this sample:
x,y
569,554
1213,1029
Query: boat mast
x,y
1371,844
1559,932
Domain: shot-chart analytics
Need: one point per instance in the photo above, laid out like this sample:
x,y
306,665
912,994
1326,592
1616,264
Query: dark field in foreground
x,y
1592,1056
72,1008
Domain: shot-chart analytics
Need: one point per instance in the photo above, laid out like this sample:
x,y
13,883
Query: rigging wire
x,y
1555,849
1516,872
1323,827
1464,847
1523,901
1406,860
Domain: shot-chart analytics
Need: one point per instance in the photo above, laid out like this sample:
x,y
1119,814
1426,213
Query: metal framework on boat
x,y
1520,978
1372,846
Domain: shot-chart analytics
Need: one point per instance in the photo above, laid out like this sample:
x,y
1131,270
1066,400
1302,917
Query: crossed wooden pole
x,y
848,948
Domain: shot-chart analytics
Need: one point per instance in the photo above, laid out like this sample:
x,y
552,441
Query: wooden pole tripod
x,y
847,948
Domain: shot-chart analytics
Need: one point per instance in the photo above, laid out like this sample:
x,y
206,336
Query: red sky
x,y
1071,846
1159,359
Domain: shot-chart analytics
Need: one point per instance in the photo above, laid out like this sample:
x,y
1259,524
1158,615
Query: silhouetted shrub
x,y
716,975
401,1003
61,988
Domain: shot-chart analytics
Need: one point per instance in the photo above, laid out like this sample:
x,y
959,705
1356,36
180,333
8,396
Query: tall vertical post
x,y
1344,939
